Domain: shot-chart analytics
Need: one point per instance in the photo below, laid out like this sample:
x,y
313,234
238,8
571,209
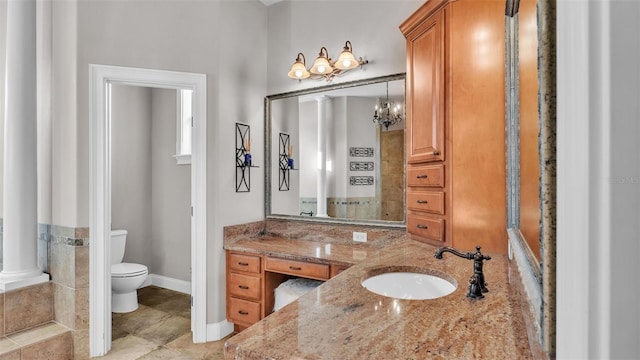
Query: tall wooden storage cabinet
x,y
455,138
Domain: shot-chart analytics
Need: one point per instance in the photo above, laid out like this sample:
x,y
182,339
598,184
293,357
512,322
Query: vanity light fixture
x,y
323,67
299,68
388,113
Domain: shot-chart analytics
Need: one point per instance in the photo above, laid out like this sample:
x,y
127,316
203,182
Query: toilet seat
x,y
125,270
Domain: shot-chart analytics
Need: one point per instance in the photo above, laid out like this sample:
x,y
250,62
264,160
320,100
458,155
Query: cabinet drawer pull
x,y
422,201
243,263
242,312
436,152
295,268
422,176
422,226
243,287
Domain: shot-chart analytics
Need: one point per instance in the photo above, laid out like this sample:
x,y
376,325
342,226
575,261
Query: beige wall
x,y
131,180
3,27
170,193
65,191
284,119
44,68
360,132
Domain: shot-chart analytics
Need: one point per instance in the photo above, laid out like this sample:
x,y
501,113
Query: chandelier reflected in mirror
x,y
323,67
388,113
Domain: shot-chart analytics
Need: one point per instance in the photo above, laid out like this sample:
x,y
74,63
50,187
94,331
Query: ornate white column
x,y
20,240
321,197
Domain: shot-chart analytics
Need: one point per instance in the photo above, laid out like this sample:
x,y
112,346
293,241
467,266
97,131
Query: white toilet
x,y
126,278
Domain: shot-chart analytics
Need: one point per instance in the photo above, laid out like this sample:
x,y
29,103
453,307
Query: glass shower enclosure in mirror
x,y
328,160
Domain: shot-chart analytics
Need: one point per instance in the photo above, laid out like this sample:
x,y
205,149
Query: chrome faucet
x,y
477,285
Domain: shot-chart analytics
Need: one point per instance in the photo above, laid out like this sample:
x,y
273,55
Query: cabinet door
x,y
425,89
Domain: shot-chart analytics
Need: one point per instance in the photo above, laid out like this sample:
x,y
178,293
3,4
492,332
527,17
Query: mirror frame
x,y
538,277
268,147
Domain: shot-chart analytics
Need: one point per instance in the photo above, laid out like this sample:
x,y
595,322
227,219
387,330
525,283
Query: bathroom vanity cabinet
x,y
425,90
252,278
344,320
244,289
455,129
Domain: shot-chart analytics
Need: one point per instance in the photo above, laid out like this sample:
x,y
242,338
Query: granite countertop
x,y
312,251
342,320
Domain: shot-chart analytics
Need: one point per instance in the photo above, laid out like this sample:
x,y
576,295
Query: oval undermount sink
x,y
409,284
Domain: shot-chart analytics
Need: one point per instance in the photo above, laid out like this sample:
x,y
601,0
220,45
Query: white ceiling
x,y
269,2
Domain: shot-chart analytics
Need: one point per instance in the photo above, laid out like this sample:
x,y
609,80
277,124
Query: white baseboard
x,y
168,283
219,330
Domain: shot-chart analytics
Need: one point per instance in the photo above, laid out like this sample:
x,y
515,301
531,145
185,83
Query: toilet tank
x,y
118,242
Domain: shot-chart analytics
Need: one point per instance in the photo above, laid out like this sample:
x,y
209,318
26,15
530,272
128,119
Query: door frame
x,y
101,77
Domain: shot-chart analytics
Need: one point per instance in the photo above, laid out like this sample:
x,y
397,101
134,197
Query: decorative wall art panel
x,y
243,158
361,151
283,162
361,180
361,165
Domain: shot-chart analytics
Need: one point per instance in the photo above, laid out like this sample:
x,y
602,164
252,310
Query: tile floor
x,y
159,329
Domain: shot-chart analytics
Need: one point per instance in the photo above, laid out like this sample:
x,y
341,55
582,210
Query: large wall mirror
x,y
327,160
530,94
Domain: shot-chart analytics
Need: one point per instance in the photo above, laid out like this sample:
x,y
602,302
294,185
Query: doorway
x,y
102,77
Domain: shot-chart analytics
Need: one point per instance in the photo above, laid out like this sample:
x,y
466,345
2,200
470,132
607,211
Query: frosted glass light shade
x,y
346,61
321,66
298,71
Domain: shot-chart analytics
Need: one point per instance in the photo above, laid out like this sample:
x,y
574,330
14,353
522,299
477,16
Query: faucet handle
x,y
481,256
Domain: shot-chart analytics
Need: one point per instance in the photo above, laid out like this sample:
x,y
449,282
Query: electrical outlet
x,y
359,255
360,236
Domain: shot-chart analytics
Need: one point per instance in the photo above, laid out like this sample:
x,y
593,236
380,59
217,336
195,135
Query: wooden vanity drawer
x,y
244,286
246,263
427,175
243,312
427,201
298,268
423,226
